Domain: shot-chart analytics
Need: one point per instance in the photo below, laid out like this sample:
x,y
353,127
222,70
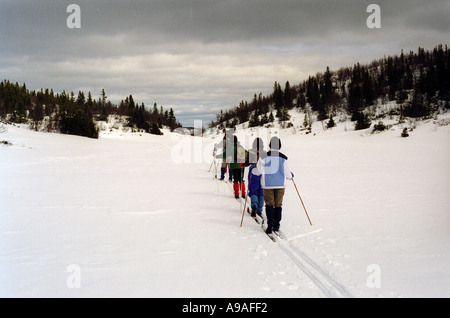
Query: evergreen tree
x,y
417,107
278,99
326,88
103,114
301,98
155,129
37,115
264,119
288,96
81,99
331,122
313,93
361,119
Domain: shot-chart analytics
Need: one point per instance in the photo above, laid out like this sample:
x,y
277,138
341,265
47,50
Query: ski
x,y
270,235
253,217
280,235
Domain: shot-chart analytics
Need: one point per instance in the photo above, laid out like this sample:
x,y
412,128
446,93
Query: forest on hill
x,y
76,115
418,82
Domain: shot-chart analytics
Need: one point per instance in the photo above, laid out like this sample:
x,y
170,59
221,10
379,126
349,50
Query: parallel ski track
x,y
328,285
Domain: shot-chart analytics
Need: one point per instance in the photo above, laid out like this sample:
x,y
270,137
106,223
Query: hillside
x,y
413,85
45,110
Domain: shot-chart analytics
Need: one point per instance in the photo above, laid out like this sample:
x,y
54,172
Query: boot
x,y
270,218
222,173
277,219
253,214
243,189
236,190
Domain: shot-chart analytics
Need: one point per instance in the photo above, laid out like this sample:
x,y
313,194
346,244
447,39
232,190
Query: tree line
x,y
76,115
419,83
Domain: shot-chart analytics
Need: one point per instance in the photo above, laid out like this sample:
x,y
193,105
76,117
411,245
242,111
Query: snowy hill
x,y
136,214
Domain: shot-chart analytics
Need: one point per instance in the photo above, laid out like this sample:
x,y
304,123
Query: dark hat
x,y
258,144
275,143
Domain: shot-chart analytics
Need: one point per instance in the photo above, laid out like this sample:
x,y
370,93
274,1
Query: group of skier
x,y
268,172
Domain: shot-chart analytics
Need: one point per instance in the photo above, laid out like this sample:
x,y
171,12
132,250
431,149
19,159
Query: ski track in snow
x,y
319,276
321,279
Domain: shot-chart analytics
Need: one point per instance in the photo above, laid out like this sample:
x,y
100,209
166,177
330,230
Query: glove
x,y
292,175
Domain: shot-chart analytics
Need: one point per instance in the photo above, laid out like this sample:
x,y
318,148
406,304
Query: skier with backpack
x,y
274,170
237,158
224,166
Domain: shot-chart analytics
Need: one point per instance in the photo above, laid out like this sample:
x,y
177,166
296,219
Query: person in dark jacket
x,y
237,158
224,165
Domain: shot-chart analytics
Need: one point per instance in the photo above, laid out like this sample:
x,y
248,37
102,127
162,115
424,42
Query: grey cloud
x,y
133,27
202,54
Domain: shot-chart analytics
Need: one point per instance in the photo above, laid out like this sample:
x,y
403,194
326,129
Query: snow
x,y
126,216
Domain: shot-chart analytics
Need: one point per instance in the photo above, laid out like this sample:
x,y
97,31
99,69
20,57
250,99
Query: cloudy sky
x,y
200,56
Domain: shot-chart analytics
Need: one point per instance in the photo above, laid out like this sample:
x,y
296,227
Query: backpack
x,y
242,156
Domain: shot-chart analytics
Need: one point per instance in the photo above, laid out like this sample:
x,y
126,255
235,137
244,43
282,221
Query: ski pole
x,y
301,201
211,165
245,203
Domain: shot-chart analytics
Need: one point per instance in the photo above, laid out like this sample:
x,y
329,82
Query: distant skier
x,y
237,158
255,191
224,166
214,161
274,170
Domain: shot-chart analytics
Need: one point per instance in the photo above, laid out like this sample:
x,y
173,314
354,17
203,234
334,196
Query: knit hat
x,y
258,144
275,143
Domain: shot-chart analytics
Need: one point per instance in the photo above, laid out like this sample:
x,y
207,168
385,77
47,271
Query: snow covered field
x,y
122,217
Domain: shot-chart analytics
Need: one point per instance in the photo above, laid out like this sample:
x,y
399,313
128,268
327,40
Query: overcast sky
x,y
200,56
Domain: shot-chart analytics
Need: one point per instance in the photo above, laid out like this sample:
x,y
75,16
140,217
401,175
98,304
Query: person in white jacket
x,y
274,171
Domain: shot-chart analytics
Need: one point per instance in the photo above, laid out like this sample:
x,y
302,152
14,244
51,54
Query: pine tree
x,y
102,105
264,120
278,99
362,120
331,122
313,93
155,129
254,120
288,96
326,88
37,115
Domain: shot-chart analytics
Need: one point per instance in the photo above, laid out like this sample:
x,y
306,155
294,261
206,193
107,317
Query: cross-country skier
x,y
274,171
255,191
224,165
214,161
237,157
